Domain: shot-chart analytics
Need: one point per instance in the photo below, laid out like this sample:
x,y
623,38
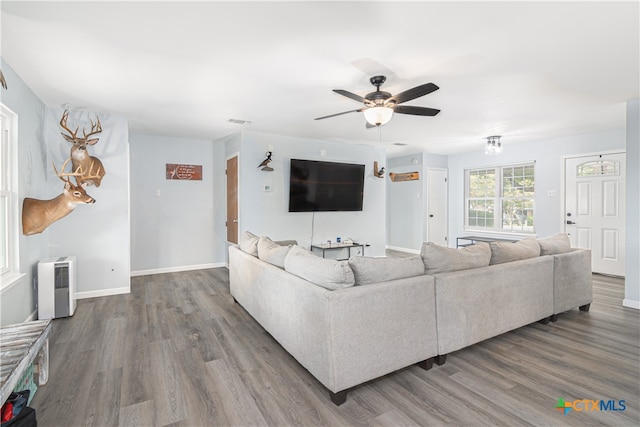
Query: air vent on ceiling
x,y
400,144
239,122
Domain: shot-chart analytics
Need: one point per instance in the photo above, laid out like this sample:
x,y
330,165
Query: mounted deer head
x,y
37,215
80,158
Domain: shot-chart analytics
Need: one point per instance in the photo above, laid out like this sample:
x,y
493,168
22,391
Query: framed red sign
x,y
184,172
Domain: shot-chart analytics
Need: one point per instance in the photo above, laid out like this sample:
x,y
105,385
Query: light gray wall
x,y
548,156
407,201
405,204
97,234
632,279
18,302
175,230
219,242
266,213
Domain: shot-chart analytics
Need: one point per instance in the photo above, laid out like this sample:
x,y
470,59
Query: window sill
x,y
9,280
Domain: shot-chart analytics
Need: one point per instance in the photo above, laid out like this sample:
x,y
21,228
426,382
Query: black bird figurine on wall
x,y
3,82
265,163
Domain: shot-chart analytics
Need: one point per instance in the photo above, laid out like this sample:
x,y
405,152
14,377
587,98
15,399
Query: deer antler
x,y
95,128
63,174
63,123
82,177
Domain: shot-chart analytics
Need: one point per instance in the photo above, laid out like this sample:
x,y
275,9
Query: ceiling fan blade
x,y
339,114
350,95
413,93
416,111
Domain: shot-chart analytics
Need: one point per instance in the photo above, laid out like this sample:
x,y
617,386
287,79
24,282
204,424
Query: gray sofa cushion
x,y
502,252
554,245
369,270
286,242
249,243
272,252
328,273
439,259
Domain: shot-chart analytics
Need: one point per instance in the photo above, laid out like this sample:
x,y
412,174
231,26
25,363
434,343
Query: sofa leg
x,y
544,321
338,398
554,318
426,364
585,307
440,359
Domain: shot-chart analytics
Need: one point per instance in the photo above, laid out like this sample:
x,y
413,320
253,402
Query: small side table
x,y
20,345
325,247
474,239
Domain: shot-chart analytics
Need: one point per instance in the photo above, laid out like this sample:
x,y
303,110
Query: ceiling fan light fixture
x,y
378,116
494,146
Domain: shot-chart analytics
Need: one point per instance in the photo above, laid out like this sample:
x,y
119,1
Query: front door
x,y
437,206
595,209
232,200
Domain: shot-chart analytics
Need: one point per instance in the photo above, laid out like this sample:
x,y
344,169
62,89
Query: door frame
x,y
230,156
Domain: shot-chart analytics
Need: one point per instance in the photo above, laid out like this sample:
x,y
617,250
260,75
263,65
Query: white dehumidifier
x,y
57,287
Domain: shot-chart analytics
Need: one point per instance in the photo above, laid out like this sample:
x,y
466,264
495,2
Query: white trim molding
x,y
9,281
177,269
631,303
399,249
102,293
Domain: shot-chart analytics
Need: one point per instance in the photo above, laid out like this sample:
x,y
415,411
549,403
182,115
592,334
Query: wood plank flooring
x,y
177,351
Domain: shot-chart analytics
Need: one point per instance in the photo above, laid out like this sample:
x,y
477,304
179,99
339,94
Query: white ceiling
x,y
525,70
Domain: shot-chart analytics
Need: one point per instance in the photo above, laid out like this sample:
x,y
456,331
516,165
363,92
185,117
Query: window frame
x,y
10,273
498,199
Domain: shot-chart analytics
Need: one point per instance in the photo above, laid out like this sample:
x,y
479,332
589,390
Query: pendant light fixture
x,y
494,146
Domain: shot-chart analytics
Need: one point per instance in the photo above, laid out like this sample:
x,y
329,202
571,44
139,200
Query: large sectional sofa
x,y
349,322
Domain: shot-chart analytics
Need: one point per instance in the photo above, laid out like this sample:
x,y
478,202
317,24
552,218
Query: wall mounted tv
x,y
316,186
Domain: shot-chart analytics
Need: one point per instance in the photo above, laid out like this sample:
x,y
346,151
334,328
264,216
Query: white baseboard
x,y
396,248
177,269
631,303
102,293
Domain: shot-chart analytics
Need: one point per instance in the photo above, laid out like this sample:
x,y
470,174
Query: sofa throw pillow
x,y
272,252
502,252
367,270
328,273
440,259
556,244
249,243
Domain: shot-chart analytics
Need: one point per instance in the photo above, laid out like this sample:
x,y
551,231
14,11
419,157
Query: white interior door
x,y
437,206
595,209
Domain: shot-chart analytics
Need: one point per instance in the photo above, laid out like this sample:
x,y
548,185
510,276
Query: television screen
x,y
325,186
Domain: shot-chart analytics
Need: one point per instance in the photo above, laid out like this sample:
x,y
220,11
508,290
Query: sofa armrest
x,y
572,281
379,328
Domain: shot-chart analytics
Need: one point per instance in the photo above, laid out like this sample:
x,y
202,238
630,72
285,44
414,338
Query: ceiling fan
x,y
379,106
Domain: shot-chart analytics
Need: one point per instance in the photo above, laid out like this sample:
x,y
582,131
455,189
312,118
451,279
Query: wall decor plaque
x,y
408,176
184,172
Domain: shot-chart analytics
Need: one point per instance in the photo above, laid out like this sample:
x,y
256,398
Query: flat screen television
x,y
316,186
